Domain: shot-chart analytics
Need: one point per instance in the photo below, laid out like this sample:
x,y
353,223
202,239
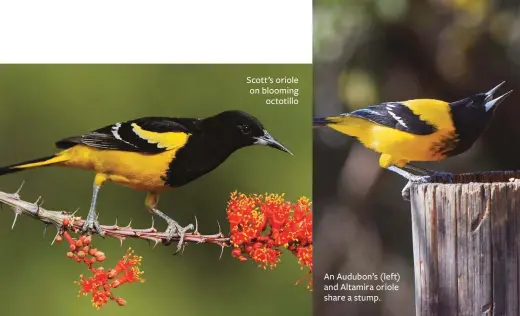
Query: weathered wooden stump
x,y
466,239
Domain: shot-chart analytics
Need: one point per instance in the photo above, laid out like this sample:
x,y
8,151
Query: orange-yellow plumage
x,y
136,170
399,147
132,169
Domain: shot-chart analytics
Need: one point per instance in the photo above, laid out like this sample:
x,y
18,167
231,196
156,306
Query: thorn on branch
x,y
221,251
196,230
17,211
17,193
56,237
219,229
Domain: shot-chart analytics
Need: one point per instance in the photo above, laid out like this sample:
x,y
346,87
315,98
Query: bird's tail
x,y
326,121
35,163
346,124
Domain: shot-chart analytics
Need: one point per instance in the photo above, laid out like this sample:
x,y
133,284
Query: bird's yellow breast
x,y
400,147
136,170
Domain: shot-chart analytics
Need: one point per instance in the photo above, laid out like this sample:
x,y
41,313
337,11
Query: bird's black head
x,y
239,129
471,116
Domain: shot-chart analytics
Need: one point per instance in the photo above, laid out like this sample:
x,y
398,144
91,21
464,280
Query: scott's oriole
x,y
418,130
155,153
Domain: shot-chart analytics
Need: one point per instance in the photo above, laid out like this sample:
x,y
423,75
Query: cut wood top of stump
x,y
482,177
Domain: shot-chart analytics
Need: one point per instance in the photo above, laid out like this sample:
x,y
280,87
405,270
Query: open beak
x,y
492,103
268,140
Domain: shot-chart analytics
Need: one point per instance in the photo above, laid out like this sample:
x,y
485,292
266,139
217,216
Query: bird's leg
x,y
411,179
416,169
174,228
91,222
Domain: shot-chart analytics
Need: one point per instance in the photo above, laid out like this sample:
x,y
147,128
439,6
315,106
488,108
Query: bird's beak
x,y
492,103
268,140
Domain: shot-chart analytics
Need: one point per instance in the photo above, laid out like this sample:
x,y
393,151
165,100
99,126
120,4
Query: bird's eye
x,y
245,129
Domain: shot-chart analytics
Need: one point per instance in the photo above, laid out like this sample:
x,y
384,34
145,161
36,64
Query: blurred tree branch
x,y
75,223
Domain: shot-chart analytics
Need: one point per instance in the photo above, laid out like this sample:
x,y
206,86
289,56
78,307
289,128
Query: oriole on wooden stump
x,y
155,153
418,130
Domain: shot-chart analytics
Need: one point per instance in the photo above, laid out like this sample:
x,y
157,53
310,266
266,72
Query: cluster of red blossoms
x,y
262,225
101,283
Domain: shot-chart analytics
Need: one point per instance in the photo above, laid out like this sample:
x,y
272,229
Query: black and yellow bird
x,y
418,130
155,153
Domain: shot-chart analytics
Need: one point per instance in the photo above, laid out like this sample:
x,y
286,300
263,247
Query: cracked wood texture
x,y
466,245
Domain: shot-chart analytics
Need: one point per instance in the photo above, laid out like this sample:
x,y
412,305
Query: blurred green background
x,y
372,51
43,103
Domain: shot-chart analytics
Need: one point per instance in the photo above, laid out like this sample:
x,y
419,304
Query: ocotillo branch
x,y
55,218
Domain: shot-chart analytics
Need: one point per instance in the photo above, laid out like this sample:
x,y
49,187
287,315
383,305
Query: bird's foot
x,y
92,224
431,175
174,229
405,193
437,176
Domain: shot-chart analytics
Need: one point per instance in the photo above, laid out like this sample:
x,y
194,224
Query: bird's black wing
x,y
395,115
145,135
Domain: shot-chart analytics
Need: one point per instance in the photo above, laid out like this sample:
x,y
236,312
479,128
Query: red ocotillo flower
x,y
101,282
262,225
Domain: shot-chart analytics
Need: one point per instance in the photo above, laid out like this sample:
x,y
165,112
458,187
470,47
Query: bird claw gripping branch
x,y
92,224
